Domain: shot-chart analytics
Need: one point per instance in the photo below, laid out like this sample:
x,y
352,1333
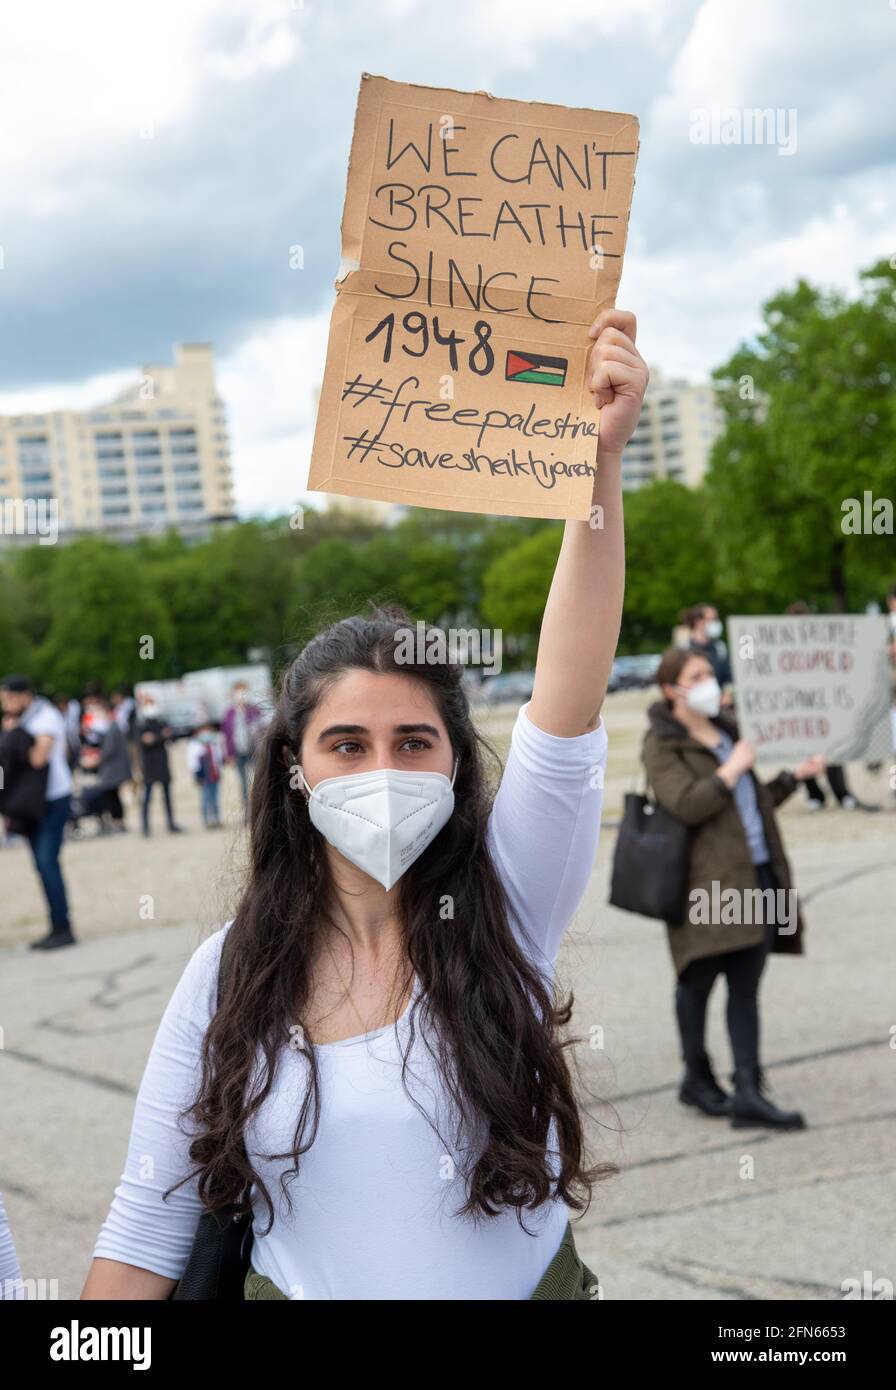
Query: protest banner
x,y
812,684
480,239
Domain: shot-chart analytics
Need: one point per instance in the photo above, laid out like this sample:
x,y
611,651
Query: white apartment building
x,y
154,457
678,426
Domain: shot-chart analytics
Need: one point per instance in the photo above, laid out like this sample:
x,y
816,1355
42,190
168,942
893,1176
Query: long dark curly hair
x,y
497,1024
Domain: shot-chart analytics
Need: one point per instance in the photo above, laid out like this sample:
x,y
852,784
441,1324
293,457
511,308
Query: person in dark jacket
x,y
705,630
153,737
108,757
740,902
23,788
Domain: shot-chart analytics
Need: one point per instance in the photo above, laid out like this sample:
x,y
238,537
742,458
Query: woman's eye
x,y
346,746
413,744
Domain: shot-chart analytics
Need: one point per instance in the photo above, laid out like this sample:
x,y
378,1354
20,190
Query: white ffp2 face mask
x,y
705,697
714,629
381,821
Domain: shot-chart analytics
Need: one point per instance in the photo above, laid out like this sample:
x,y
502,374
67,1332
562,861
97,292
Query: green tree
x,y
226,595
16,648
515,589
668,564
810,423
102,608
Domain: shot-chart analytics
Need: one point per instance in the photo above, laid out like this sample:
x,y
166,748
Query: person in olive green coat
x,y
740,902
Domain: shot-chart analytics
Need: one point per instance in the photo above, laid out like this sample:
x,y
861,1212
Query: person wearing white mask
x,y
701,772
372,1046
705,632
153,737
110,762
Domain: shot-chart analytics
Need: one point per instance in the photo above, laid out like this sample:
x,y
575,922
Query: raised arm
x,y
580,627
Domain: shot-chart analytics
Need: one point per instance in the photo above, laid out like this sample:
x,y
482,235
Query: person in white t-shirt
x,y
371,1050
46,725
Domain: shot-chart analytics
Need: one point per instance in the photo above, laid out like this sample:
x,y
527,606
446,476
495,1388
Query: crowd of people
x,y
64,763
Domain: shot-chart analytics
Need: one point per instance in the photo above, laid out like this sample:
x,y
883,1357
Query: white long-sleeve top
x,y
374,1199
10,1274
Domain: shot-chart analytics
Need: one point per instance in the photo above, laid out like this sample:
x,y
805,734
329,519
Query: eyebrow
x,y
360,729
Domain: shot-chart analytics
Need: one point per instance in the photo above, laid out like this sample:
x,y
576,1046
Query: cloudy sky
x,y
158,161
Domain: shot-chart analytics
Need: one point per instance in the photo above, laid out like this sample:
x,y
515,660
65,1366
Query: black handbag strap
x,y
644,787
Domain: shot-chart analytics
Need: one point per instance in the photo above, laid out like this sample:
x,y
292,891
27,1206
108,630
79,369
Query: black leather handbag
x,y
219,1258
651,861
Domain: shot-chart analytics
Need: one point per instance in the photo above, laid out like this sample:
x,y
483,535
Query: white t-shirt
x,y
374,1199
43,718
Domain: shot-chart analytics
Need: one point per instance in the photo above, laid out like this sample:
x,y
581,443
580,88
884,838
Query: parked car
x,y
633,672
512,687
645,667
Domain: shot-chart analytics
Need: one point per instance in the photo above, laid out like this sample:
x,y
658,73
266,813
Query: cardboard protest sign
x,y
480,238
813,684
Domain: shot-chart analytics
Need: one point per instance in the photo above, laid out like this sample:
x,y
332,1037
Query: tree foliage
x,y
810,423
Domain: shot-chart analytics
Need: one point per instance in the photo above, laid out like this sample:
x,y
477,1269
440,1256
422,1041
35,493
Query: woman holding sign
x,y
370,1048
740,903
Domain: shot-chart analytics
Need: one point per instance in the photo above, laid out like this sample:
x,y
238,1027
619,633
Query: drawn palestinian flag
x,y
531,366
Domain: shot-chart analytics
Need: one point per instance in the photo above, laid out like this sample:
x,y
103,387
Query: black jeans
x,y
742,970
166,792
837,780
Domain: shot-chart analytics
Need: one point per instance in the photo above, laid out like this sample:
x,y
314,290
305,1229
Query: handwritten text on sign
x,y
812,685
482,238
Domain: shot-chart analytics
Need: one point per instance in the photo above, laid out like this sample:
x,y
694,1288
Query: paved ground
x,y
698,1211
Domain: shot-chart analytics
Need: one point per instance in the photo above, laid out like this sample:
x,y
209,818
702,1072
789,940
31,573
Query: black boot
x,y
751,1107
700,1088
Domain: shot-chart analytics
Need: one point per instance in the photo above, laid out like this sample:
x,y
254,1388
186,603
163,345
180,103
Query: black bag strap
x,y
644,788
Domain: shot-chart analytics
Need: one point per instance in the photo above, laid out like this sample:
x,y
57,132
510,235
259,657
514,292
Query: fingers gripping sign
x,y
617,377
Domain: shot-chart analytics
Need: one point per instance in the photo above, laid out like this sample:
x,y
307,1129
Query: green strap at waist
x,y
567,1277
